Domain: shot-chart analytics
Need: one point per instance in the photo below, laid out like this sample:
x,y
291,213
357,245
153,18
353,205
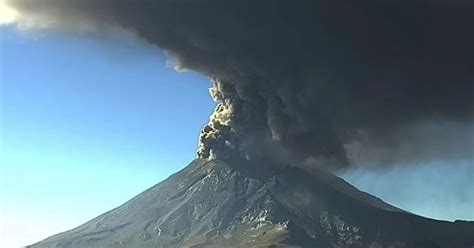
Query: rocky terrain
x,y
214,204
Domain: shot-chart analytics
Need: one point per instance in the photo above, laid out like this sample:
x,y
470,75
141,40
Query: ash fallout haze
x,y
303,89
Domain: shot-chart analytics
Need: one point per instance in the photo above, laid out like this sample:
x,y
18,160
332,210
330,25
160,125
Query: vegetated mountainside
x,y
213,204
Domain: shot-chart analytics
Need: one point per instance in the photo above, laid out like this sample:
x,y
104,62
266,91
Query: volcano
x,y
212,203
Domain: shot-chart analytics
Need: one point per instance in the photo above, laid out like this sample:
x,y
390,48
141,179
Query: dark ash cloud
x,y
311,81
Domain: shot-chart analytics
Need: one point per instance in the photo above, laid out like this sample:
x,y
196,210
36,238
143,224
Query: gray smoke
x,y
326,82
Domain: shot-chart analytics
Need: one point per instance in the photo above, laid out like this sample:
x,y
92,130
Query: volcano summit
x,y
214,204
303,89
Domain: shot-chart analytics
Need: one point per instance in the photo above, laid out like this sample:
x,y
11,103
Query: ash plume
x,y
328,82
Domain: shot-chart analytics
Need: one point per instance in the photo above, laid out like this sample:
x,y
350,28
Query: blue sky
x,y
88,123
438,189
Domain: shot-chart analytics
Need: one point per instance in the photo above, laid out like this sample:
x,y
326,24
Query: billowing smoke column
x,y
330,83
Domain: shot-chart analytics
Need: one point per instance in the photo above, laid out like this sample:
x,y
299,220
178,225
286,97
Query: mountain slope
x,y
212,204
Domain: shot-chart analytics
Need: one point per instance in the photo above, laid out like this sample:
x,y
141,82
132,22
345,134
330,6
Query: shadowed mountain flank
x,y
215,204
